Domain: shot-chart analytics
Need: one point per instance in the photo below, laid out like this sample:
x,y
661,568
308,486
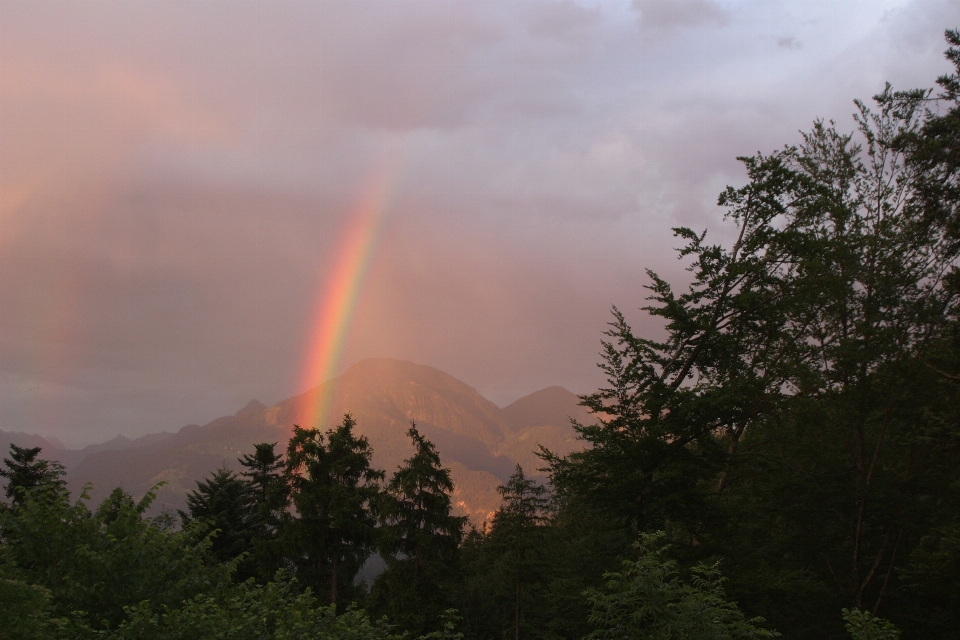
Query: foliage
x,y
264,472
100,562
805,375
647,599
861,625
24,472
275,611
419,539
67,572
448,631
24,612
508,565
224,502
335,492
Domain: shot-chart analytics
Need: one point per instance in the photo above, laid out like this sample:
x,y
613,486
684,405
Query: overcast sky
x,y
175,178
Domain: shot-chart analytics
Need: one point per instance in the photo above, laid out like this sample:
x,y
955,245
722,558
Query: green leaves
x,y
24,611
799,412
275,611
648,600
225,503
862,625
101,562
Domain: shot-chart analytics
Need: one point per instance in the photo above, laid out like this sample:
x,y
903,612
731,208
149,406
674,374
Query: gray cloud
x,y
175,179
671,14
788,42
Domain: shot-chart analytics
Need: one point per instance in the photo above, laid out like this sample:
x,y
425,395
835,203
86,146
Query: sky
x,y
179,182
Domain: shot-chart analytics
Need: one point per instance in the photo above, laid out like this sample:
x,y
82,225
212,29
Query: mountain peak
x,y
553,405
474,436
251,407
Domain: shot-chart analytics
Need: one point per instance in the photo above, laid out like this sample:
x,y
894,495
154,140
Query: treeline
x,y
274,551
797,430
268,553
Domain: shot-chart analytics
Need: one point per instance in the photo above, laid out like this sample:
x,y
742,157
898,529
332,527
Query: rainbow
x,y
338,297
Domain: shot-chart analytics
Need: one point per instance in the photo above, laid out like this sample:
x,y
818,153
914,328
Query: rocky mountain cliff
x,y
480,442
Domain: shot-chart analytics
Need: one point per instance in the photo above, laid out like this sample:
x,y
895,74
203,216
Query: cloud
x,y
788,42
175,179
665,15
562,19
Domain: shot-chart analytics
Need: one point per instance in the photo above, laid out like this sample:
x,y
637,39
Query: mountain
x,y
27,440
541,418
480,442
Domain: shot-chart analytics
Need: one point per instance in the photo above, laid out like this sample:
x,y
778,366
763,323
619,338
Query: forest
x,y
784,461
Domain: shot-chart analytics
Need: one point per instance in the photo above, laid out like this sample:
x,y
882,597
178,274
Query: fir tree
x,y
225,502
25,472
419,540
513,551
335,492
264,472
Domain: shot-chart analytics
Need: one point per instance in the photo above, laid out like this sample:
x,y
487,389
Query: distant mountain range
x,y
480,442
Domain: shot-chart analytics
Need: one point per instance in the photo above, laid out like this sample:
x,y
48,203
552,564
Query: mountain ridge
x,y
480,442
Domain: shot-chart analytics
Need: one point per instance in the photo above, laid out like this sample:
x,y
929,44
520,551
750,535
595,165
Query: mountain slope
x,y
542,419
477,440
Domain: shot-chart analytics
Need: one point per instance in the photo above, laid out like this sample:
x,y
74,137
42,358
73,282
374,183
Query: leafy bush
x,y
648,600
862,625
275,611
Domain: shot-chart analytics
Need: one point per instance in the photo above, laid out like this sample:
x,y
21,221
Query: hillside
x,y
480,442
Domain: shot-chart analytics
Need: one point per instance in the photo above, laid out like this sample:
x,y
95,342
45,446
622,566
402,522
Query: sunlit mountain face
x,y
202,203
478,441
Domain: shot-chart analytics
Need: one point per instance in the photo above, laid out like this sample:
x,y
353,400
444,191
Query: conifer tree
x,y
335,492
264,472
24,472
225,502
419,540
514,546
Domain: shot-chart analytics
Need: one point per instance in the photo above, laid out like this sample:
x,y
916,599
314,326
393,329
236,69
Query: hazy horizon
x,y
177,179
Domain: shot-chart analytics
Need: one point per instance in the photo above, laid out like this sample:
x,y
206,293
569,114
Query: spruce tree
x,y
25,472
419,540
507,565
335,492
225,502
264,472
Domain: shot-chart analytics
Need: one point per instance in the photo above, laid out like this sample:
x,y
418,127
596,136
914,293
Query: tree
x,y
934,149
264,472
93,565
797,379
24,472
837,463
508,559
419,540
863,626
335,492
249,611
25,612
647,599
675,410
225,503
